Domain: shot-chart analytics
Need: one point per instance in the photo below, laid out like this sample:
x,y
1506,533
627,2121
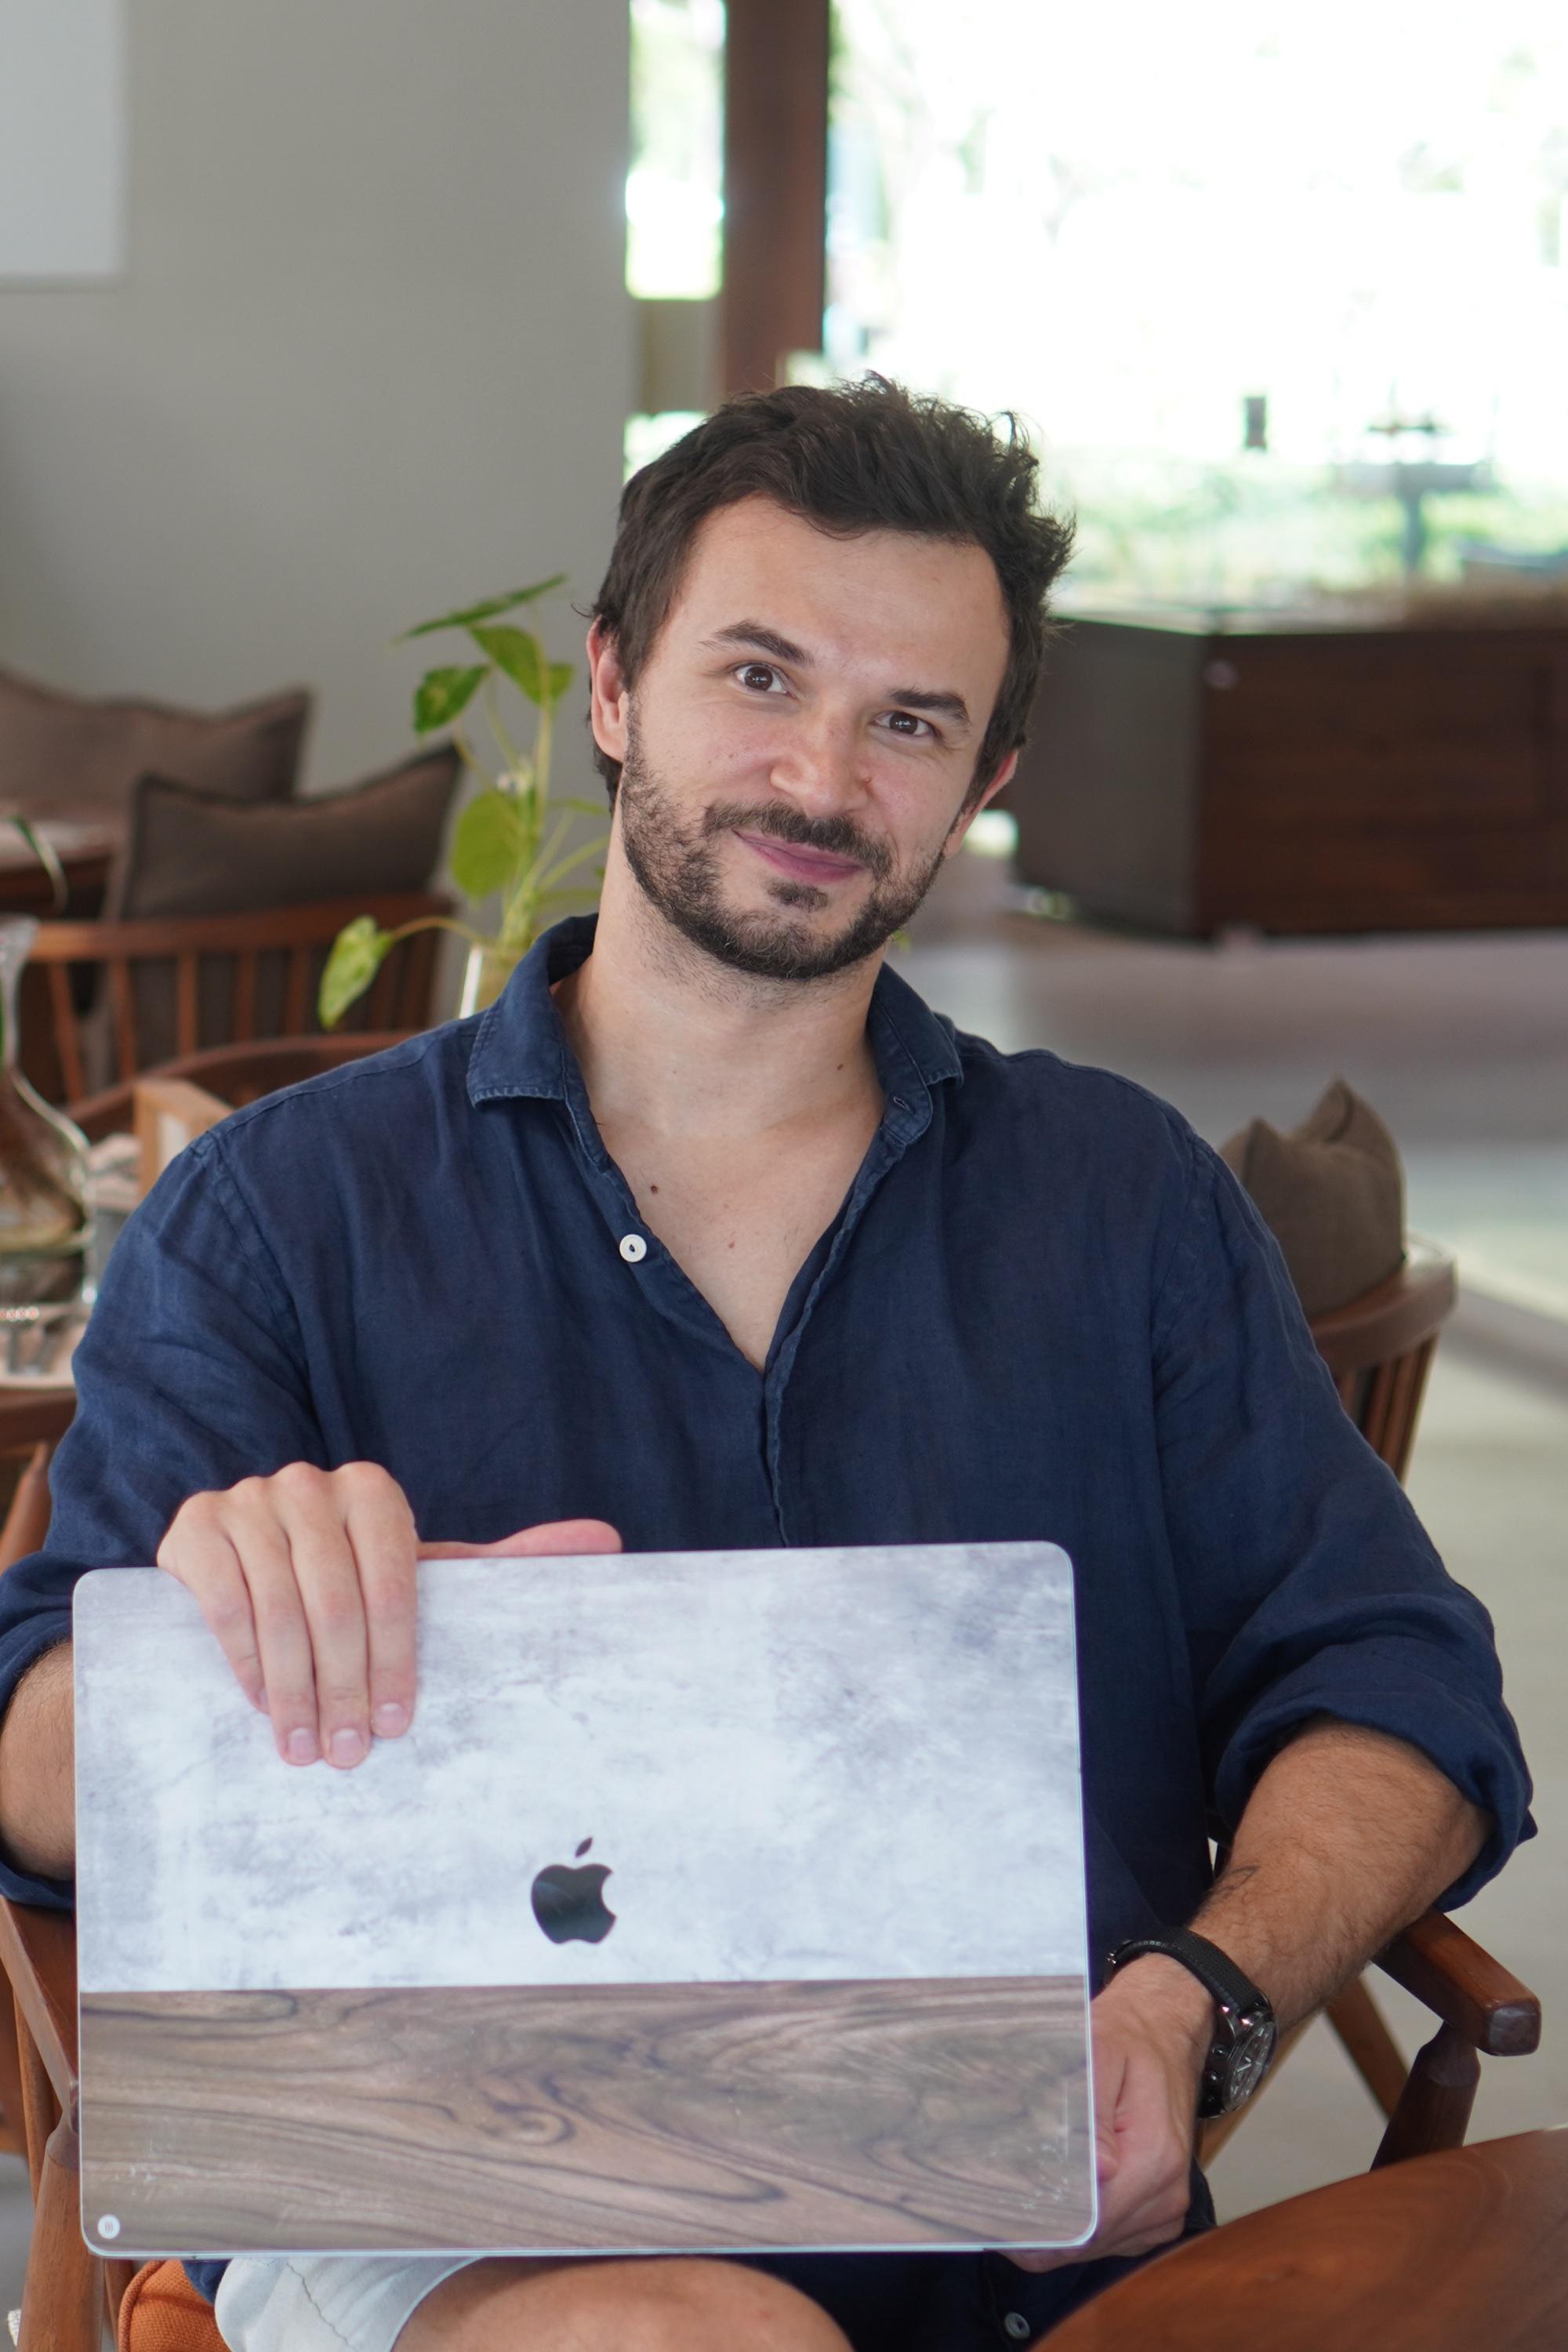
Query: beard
x,y
678,872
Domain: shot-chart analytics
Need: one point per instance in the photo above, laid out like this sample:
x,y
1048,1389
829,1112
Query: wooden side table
x,y
1447,2254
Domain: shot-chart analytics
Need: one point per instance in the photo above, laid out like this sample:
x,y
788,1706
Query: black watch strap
x,y
1215,1972
1245,2030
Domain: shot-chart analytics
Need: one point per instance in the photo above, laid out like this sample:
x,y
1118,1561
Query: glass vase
x,y
46,1220
485,973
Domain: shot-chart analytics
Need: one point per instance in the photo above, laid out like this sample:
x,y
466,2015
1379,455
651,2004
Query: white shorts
x,y
321,2303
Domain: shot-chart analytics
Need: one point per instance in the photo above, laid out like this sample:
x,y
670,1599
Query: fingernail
x,y
347,1746
390,1718
301,1746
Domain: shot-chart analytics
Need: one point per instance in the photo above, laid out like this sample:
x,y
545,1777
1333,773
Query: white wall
x,y
372,355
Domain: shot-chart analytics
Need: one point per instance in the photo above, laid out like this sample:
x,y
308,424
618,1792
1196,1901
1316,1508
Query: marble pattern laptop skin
x,y
714,1900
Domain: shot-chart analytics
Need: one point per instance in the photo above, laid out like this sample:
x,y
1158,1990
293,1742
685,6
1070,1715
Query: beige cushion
x,y
196,852
1332,1193
64,752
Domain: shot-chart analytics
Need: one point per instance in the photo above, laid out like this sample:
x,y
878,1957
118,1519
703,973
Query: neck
x,y
670,1038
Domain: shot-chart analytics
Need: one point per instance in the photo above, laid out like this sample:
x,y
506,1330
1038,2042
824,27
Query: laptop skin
x,y
715,1901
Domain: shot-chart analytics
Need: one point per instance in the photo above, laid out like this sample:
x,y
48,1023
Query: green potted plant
x,y
512,839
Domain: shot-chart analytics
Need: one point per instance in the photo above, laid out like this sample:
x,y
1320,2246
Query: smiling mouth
x,y
800,863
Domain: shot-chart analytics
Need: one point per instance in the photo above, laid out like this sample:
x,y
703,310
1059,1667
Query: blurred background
x,y
320,317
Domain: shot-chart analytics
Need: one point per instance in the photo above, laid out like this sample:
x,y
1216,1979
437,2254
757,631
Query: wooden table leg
x,y
62,2300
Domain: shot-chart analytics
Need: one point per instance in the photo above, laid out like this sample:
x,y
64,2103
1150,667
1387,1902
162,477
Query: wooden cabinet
x,y
1186,777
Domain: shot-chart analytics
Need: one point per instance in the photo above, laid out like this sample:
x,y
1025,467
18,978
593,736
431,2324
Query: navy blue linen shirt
x,y
1044,1310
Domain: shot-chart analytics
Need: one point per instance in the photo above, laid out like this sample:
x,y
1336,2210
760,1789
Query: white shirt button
x,y
1017,2325
634,1249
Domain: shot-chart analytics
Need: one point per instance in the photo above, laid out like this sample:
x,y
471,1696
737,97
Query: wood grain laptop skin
x,y
714,1900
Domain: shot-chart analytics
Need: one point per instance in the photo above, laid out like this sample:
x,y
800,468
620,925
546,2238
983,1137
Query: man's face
x,y
798,750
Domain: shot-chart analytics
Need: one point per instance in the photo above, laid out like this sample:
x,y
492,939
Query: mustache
x,y
835,836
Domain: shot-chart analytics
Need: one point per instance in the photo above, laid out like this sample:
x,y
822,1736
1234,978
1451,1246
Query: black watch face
x,y
1246,2061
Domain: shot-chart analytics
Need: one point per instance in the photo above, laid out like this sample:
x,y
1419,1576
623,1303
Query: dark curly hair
x,y
862,457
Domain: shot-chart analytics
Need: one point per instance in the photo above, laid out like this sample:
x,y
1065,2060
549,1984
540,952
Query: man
x,y
710,1233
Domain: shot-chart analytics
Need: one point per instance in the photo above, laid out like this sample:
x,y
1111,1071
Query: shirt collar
x,y
521,1047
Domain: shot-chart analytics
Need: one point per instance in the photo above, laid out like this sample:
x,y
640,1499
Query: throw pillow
x,y
62,753
198,853
1332,1193
195,852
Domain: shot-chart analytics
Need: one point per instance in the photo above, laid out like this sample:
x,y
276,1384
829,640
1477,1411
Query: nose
x,y
821,767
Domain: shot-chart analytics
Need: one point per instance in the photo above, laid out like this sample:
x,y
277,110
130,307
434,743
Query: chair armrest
x,y
1464,1986
37,1952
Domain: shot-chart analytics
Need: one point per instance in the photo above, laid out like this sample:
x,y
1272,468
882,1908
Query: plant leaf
x,y
43,849
489,839
357,955
519,654
558,677
441,693
486,610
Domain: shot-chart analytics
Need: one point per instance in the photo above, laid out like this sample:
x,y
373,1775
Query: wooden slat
x,y
1369,2045
125,1016
245,964
68,1039
37,1952
297,990
187,1013
378,1008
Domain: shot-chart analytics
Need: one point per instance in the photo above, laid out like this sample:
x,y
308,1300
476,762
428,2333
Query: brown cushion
x,y
195,852
1332,1193
61,751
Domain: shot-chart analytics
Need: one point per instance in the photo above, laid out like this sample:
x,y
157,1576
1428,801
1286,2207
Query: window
x,y
1281,289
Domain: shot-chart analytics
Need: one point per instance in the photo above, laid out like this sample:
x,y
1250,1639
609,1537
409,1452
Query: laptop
x,y
715,1902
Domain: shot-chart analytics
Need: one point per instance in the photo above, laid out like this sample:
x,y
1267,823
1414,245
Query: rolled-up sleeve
x,y
189,1377
1309,1586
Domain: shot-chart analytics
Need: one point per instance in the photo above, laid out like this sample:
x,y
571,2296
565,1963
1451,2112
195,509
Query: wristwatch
x,y
1244,2038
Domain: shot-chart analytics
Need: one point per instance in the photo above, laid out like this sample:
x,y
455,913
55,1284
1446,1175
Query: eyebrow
x,y
942,701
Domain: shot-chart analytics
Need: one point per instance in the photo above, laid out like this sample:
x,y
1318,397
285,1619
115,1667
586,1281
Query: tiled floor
x,y
1463,1046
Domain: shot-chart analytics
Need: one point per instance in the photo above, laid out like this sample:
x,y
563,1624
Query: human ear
x,y
608,692
970,809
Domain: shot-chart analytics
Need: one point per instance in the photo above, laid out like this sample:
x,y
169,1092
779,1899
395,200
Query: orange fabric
x,y
162,2312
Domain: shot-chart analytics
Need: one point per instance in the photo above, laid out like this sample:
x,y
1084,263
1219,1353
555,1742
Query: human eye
x,y
908,724
760,677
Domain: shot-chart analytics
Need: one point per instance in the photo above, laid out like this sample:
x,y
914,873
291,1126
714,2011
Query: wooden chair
x,y
1379,1350
166,1107
238,977
1463,2248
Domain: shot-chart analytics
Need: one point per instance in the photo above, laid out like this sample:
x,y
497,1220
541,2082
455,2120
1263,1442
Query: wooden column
x,y
775,186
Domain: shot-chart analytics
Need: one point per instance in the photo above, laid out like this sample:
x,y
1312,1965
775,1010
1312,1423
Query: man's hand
x,y
309,1581
1152,2026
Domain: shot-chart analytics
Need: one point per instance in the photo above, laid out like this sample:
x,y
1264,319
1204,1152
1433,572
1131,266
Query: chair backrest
x,y
1380,1347
235,1074
174,986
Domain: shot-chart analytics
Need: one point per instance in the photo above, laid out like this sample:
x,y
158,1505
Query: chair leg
x,y
41,2108
1434,2110
12,2124
1371,2048
62,2298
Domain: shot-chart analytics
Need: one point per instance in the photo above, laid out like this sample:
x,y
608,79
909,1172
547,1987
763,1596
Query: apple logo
x,y
569,1904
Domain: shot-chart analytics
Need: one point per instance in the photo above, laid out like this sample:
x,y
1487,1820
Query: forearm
x,y
1350,1834
37,1769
